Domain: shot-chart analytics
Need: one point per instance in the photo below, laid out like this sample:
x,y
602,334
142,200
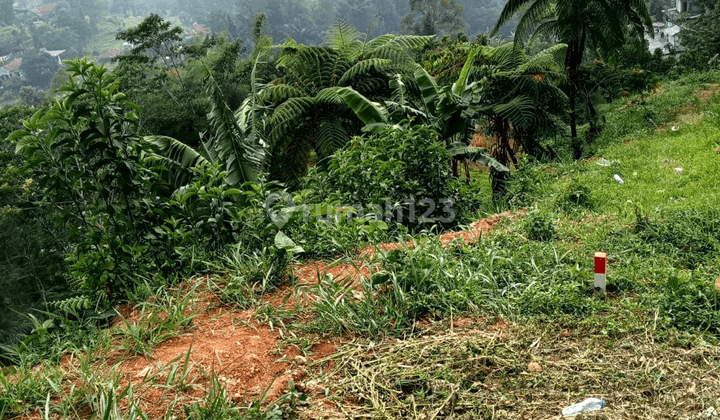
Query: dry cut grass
x,y
483,370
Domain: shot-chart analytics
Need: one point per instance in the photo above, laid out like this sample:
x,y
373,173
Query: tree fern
x,y
343,37
362,68
331,136
601,23
304,107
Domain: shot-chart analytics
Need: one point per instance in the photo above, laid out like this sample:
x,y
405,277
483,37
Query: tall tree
x,y
433,17
602,23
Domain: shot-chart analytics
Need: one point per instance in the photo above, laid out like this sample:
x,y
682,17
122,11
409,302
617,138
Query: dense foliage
x,y
243,150
401,174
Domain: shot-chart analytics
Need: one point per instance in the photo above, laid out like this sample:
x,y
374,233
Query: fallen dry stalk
x,y
481,371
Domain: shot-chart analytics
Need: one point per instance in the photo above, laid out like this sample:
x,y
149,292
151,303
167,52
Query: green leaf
x,y
282,241
476,154
367,111
461,84
428,88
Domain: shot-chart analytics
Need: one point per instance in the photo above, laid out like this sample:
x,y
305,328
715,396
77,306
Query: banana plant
x,y
236,140
446,109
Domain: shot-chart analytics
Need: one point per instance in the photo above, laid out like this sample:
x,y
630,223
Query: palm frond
x,y
279,93
507,57
343,36
289,115
538,11
361,68
404,42
331,136
549,60
329,96
548,28
520,111
509,10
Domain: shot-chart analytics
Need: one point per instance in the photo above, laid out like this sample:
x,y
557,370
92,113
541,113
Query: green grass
x,y
641,345
647,165
660,228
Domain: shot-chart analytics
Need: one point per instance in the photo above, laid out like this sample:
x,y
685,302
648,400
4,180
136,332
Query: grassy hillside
x,y
498,321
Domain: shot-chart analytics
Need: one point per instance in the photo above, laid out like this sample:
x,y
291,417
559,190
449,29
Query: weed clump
x,y
576,196
540,226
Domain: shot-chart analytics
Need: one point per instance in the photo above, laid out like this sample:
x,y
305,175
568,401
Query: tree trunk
x,y
466,165
502,153
573,59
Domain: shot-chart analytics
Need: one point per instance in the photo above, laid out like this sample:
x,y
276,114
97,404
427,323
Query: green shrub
x,y
390,174
539,226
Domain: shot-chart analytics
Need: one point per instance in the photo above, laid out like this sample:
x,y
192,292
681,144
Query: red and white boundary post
x,y
600,266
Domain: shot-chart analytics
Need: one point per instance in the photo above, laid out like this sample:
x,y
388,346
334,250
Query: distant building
x,y
691,7
14,65
54,53
43,10
12,69
667,33
198,29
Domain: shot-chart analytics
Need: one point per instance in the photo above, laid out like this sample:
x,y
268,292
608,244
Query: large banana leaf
x,y
369,112
477,154
428,89
176,157
241,155
459,87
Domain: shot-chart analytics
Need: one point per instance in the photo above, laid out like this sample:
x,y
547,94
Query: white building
x,y
667,33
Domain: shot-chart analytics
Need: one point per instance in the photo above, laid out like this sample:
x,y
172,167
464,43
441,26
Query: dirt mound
x,y
469,237
248,359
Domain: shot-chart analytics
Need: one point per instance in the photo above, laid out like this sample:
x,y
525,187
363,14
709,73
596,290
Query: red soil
x,y
249,359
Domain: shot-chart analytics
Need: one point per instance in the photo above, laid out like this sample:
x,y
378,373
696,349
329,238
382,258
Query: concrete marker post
x,y
600,268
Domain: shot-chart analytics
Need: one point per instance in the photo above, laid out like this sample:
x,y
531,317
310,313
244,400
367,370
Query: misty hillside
x,y
74,28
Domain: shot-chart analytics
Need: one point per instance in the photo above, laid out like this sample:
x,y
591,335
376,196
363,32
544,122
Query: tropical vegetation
x,y
188,179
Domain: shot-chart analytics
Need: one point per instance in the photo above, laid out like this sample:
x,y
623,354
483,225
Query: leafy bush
x,y
402,175
31,245
86,157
